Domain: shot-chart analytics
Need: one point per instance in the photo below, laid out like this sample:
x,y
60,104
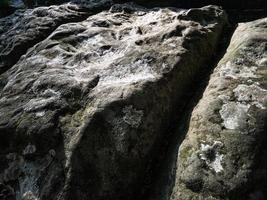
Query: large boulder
x,y
24,29
223,155
82,113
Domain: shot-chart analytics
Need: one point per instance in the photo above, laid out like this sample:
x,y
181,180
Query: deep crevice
x,y
159,182
161,179
234,4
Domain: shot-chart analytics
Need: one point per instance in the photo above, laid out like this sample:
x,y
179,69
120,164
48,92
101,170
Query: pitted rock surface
x,y
219,159
85,108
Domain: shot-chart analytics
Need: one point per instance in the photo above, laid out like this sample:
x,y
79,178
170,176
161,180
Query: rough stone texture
x,y
220,157
82,112
24,29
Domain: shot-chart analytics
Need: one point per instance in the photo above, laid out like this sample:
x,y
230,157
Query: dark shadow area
x,y
160,180
227,4
7,7
6,10
237,16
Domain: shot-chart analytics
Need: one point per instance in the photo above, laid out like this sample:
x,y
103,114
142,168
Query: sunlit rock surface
x,y
83,111
221,155
24,29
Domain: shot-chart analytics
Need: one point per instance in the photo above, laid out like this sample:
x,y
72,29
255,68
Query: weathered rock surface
x,y
24,29
82,112
220,157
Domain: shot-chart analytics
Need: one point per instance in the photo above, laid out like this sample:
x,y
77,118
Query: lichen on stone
x,y
136,71
29,196
262,62
210,154
234,115
132,116
251,94
46,98
231,70
40,114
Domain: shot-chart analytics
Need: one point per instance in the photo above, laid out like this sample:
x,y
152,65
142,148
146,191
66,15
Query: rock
x,y
227,130
83,110
227,4
24,29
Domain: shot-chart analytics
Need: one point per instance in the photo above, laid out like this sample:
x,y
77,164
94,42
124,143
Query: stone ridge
x,y
83,111
219,157
24,29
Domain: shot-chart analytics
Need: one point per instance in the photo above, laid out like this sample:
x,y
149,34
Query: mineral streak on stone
x,y
25,28
233,112
99,92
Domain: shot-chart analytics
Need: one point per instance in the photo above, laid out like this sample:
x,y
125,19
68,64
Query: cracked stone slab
x,y
233,114
97,94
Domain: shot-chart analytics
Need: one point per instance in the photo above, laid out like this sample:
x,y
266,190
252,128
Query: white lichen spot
x,y
47,97
50,93
29,196
262,62
210,154
251,94
130,73
132,116
250,81
172,45
93,41
224,98
29,149
40,114
58,60
216,165
234,115
38,103
230,70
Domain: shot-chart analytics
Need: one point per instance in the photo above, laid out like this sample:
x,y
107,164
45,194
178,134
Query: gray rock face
x,y
220,156
82,112
24,29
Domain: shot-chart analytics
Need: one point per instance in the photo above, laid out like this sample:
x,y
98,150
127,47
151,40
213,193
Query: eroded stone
x,y
236,95
99,93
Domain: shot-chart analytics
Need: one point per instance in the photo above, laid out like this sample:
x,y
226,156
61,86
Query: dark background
x,y
227,4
